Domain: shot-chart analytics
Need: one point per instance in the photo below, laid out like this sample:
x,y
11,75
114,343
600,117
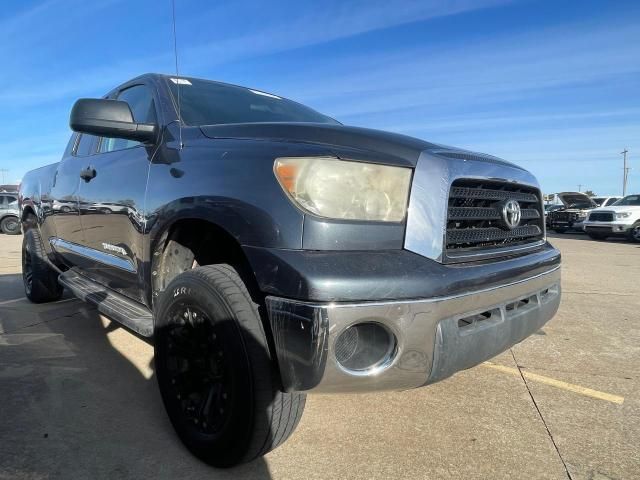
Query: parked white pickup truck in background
x,y
620,219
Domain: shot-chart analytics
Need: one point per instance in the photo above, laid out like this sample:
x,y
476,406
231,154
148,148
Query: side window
x,y
11,199
84,146
2,201
140,101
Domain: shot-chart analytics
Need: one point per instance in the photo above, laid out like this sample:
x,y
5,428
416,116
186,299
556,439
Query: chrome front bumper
x,y
611,227
434,337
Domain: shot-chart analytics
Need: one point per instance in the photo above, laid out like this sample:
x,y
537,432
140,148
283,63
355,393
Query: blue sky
x,y
551,85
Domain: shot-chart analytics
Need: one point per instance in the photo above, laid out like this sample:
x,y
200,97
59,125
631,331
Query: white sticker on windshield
x,y
180,81
258,92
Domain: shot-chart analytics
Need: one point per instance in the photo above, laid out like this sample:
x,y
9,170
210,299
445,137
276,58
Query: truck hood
x,y
576,198
618,208
396,148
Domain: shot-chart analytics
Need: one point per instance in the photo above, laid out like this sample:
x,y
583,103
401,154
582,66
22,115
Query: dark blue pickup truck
x,y
271,251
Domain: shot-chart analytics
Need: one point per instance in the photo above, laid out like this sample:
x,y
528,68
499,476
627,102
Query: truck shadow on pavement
x,y
79,399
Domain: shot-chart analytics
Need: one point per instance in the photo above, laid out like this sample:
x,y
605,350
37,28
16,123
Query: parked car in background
x,y
620,219
65,206
9,214
9,188
605,201
548,209
575,207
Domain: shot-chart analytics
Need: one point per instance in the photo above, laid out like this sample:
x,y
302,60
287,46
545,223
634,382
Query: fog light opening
x,y
364,346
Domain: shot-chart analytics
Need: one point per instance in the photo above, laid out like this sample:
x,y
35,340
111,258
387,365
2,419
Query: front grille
x,y
601,217
565,216
475,221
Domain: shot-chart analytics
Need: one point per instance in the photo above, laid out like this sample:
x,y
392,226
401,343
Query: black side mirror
x,y
109,118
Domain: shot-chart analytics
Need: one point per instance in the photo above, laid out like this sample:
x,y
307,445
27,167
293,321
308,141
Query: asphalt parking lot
x,y
78,397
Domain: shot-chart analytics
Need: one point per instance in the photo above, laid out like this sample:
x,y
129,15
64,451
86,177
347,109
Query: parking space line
x,y
15,300
12,301
558,383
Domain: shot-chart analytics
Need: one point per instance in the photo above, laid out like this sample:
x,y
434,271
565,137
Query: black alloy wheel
x,y
200,375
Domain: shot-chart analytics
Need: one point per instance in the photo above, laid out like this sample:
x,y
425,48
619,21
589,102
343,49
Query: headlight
x,y
623,214
333,188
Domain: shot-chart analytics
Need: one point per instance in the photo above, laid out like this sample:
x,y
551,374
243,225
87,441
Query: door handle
x,y
88,173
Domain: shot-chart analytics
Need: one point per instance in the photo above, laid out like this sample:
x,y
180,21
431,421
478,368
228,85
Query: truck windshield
x,y
204,102
633,200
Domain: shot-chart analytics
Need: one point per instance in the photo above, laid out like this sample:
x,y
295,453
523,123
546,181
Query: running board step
x,y
112,304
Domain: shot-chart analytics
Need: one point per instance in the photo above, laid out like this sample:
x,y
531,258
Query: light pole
x,y
625,171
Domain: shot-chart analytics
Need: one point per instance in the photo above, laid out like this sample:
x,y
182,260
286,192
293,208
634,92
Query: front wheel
x,y
634,232
559,230
216,375
10,225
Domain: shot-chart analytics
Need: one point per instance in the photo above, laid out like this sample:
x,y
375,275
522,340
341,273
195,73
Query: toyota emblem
x,y
511,214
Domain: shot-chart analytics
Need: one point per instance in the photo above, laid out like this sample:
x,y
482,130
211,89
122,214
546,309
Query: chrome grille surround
x,y
428,214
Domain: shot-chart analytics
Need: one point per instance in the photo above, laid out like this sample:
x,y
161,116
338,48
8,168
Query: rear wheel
x,y
634,232
40,280
10,225
216,376
559,230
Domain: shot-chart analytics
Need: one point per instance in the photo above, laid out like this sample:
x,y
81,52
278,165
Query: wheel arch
x,y
198,240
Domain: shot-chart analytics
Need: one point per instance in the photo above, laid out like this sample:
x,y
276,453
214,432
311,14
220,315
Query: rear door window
x,y
140,100
84,146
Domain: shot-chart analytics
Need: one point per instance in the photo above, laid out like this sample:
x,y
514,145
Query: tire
x,y
597,236
216,376
634,233
40,280
10,225
559,230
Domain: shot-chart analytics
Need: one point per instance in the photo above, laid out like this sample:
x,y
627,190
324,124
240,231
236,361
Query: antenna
x,y
178,82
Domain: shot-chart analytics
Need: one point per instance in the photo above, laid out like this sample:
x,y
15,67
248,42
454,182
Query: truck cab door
x,y
61,226
111,202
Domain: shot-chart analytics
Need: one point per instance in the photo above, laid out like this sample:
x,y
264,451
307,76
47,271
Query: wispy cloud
x,y
34,25
309,26
489,71
89,81
293,27
469,122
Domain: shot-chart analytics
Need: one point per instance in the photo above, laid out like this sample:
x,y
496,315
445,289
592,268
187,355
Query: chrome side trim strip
x,y
61,246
